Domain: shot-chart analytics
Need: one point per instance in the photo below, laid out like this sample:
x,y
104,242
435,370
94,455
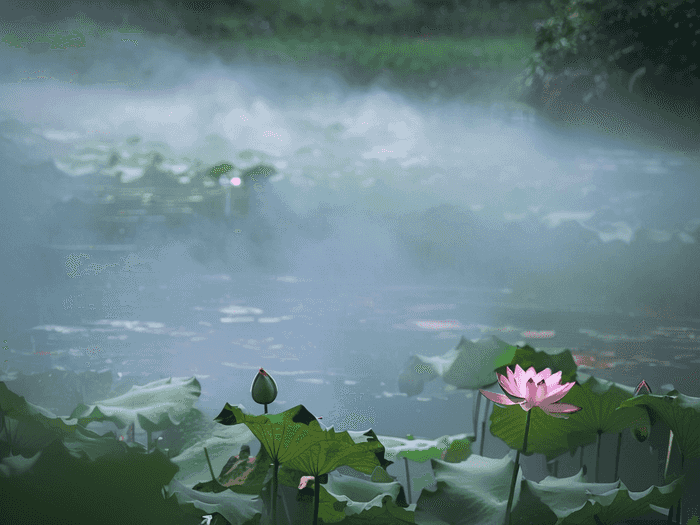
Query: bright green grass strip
x,y
396,53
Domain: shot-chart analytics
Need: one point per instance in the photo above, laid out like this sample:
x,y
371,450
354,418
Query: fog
x,y
374,186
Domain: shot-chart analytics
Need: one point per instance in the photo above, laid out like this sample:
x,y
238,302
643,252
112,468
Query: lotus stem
x,y
668,460
617,456
408,481
598,521
670,520
679,509
317,499
517,467
597,455
475,415
483,426
211,470
6,427
553,466
275,470
580,457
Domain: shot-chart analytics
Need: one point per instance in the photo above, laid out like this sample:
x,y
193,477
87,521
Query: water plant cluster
x,y
548,407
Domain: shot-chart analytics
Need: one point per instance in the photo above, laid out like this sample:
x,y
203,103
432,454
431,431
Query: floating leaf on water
x,y
220,169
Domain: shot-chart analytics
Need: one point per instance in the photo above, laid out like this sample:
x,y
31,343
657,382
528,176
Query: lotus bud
x,y
263,389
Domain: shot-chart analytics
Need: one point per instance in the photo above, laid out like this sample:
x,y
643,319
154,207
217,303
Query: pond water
x,y
395,224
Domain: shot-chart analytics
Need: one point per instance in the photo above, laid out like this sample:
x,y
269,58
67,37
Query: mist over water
x,y
374,188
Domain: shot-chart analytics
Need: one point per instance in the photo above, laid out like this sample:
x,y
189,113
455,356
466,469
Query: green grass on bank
x,y
399,54
461,17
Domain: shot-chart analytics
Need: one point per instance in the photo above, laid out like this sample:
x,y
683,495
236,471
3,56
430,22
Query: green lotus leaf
x,y
476,491
611,506
329,450
221,169
420,450
469,365
599,401
283,435
473,491
682,415
547,435
555,359
11,466
154,406
30,427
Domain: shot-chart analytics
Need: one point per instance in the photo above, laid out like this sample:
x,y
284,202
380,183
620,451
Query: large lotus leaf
x,y
24,437
371,502
603,385
62,390
36,428
84,443
682,415
640,428
555,359
295,439
283,435
41,426
236,508
224,442
343,496
369,436
475,363
469,365
576,502
123,485
329,450
599,401
547,435
15,465
152,407
529,509
410,383
420,450
473,492
382,476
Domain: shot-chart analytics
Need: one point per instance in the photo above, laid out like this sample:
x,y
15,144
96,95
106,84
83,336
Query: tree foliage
x,y
627,39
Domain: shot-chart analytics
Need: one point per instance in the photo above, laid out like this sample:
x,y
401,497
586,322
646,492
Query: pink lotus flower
x,y
530,389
